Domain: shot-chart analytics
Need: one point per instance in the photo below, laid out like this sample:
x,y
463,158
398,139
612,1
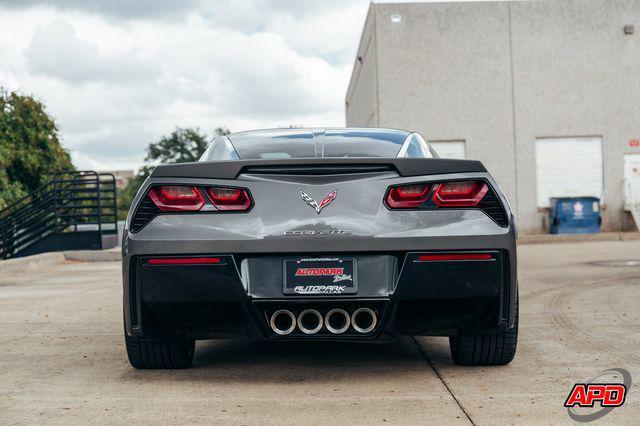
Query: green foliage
x,y
30,151
181,146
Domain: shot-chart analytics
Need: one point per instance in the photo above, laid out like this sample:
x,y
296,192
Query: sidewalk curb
x,y
94,255
36,262
31,263
576,238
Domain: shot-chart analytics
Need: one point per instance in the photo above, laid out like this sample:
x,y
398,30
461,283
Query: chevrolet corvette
x,y
358,235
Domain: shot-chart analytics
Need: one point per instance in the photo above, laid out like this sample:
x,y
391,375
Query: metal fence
x,y
75,210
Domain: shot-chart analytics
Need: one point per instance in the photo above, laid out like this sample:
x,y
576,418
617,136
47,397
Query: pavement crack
x,y
446,386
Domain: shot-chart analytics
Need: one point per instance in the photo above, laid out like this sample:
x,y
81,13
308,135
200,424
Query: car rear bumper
x,y
238,296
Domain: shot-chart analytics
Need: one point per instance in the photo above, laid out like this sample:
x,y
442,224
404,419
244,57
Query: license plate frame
x,y
320,276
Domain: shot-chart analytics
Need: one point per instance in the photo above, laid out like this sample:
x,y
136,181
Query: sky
x,y
117,75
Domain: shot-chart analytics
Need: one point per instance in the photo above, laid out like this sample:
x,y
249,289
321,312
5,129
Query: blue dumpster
x,y
574,215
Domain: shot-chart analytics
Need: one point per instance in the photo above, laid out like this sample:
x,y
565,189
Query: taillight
x,y
229,198
454,256
177,198
466,193
407,197
185,261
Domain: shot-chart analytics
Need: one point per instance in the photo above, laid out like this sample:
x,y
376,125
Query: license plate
x,y
320,275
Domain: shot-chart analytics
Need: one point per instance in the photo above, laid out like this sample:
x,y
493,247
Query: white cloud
x,y
57,51
113,9
114,85
332,34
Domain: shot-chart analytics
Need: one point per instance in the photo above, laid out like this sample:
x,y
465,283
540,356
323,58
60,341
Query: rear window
x,y
296,143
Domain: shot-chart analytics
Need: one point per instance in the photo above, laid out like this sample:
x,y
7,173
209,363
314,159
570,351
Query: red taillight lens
x,y
454,256
466,193
407,197
177,198
184,261
230,198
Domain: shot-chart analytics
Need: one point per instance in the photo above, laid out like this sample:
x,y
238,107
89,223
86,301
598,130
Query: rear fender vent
x,y
145,212
490,204
335,169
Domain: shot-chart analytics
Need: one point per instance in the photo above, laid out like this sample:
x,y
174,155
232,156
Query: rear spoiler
x,y
232,168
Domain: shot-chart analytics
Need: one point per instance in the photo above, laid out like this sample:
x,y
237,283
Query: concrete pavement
x,y
62,358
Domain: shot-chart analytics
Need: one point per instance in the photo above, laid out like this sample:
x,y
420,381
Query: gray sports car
x,y
356,235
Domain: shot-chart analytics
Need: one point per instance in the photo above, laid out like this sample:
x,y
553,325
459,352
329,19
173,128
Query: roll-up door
x,y
568,167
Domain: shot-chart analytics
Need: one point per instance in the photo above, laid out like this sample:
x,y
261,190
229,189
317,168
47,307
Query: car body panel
x,y
357,224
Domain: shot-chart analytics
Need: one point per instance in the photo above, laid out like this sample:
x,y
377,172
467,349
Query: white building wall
x,y
501,75
362,100
576,73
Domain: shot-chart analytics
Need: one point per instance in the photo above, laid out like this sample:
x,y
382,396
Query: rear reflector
x,y
230,198
454,256
184,261
176,198
466,193
407,197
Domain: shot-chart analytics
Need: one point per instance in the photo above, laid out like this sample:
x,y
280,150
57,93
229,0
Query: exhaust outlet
x,y
337,321
309,321
364,320
283,322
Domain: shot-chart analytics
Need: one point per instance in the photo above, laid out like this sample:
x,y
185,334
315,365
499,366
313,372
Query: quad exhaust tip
x,y
283,322
364,320
337,321
310,321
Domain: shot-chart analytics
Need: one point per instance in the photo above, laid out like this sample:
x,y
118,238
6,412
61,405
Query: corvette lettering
x,y
303,232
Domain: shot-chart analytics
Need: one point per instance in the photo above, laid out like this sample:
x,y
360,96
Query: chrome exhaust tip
x,y
364,320
282,322
310,321
337,321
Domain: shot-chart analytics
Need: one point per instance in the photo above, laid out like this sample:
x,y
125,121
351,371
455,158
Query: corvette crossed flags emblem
x,y
313,203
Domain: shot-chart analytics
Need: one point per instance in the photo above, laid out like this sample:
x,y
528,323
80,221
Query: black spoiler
x,y
232,168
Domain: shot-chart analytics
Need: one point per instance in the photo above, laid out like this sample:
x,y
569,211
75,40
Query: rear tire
x,y
488,348
162,353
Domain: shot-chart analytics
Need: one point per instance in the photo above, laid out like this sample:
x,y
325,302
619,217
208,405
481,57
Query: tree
x,y
30,150
181,146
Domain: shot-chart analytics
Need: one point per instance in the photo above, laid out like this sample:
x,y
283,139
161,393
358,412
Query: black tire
x,y
489,348
164,353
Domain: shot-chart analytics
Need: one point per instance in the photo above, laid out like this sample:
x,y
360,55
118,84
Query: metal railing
x,y
75,210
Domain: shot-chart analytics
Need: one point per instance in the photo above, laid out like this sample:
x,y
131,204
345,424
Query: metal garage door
x,y
449,148
568,167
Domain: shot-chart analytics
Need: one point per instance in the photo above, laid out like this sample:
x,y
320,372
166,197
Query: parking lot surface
x,y
62,357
